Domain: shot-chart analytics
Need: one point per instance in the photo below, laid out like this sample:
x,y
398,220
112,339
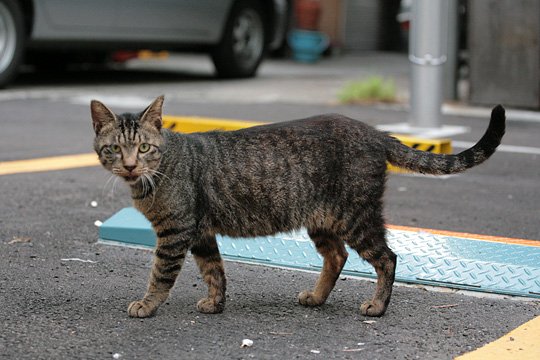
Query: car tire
x,y
12,39
243,44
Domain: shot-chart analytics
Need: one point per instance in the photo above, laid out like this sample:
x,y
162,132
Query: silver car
x,y
235,33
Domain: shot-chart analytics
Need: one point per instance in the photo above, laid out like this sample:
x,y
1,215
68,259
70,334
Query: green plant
x,y
372,89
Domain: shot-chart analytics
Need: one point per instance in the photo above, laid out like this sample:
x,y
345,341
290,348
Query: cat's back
x,y
319,124
333,128
326,138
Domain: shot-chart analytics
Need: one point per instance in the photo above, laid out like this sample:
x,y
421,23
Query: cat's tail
x,y
438,164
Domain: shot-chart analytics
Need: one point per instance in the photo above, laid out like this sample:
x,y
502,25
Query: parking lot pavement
x,y
62,295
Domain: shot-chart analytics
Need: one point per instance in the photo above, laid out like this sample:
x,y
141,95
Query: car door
x,y
75,19
183,21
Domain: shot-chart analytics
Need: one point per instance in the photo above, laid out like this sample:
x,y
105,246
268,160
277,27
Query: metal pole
x,y
427,54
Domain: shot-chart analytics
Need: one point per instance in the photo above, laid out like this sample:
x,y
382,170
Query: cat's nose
x,y
130,167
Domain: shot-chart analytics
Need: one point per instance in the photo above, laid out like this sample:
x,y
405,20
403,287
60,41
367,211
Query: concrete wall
x,y
504,46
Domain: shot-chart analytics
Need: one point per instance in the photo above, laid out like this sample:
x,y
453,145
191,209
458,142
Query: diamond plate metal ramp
x,y
423,258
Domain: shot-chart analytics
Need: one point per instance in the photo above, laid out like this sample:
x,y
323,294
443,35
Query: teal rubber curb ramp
x,y
423,258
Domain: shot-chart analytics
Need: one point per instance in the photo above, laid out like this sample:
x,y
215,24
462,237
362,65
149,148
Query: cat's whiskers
x,y
106,184
144,183
158,174
115,175
115,182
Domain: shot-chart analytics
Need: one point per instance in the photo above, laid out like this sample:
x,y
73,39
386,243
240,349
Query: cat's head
x,y
129,145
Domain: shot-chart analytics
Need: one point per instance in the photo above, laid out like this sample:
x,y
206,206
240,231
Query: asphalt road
x,y
54,308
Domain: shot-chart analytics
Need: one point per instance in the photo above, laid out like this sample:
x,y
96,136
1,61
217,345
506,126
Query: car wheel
x,y
243,42
11,40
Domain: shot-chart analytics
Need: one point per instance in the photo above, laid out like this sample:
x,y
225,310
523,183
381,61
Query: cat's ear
x,y
152,114
101,115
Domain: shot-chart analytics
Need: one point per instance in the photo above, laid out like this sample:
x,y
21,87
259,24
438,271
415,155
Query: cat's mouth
x,y
131,179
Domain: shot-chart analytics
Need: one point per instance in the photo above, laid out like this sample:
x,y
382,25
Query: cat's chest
x,y
141,206
148,205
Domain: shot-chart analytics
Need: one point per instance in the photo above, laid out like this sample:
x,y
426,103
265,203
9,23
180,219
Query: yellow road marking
x,y
522,343
186,124
48,164
189,124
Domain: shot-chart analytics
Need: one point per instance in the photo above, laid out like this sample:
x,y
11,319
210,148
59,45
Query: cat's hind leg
x,y
368,239
333,251
172,246
206,254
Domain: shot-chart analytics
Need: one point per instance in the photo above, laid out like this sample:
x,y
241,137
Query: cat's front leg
x,y
206,254
172,246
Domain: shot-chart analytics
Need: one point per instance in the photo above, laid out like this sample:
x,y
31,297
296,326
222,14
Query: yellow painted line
x,y
185,124
522,343
48,164
465,235
190,124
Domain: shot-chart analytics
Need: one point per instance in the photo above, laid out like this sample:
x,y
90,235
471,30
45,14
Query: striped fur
x,y
439,164
326,173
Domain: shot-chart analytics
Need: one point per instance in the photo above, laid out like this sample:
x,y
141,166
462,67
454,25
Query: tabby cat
x,y
325,173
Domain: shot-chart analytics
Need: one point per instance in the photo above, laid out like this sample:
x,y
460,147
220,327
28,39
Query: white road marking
x,y
503,148
426,133
484,112
30,94
427,176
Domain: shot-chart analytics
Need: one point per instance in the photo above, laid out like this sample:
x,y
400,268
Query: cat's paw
x,y
141,309
308,298
210,306
372,308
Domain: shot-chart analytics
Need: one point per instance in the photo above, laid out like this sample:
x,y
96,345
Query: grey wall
x,y
504,45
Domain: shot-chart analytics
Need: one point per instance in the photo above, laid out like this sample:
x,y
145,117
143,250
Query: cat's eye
x,y
144,147
115,148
